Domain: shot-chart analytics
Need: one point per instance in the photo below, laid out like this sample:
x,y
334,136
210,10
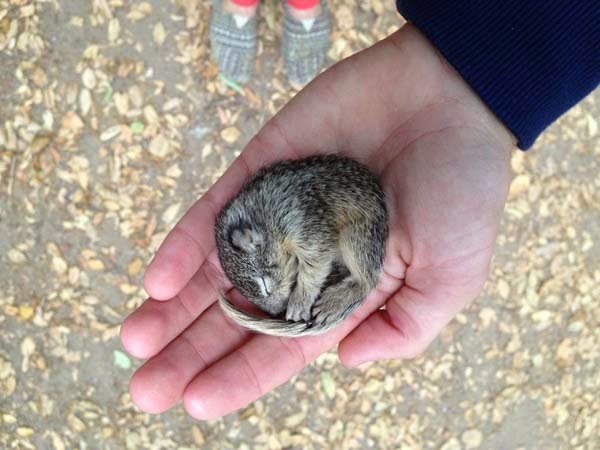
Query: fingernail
x,y
195,407
358,363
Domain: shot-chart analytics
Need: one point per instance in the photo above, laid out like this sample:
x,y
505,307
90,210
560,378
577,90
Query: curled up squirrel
x,y
304,241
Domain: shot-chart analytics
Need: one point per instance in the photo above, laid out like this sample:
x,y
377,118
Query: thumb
x,y
411,320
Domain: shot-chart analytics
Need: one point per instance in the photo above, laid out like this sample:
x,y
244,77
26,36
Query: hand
x,y
443,159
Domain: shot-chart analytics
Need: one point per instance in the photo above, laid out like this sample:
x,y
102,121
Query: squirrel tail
x,y
273,327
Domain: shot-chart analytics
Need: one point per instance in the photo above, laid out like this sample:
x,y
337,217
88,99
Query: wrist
x,y
455,87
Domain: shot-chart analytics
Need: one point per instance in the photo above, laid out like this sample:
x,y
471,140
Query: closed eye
x,y
264,286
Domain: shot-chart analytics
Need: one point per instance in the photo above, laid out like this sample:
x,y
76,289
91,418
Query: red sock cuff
x,y
245,2
303,4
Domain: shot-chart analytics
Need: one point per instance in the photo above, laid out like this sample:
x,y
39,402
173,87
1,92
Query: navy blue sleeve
x,y
529,60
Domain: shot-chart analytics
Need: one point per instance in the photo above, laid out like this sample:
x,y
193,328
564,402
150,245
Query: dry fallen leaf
x,y
16,256
88,78
85,101
139,11
59,265
136,96
121,102
159,146
230,134
472,438
171,213
95,264
159,34
71,122
114,28
198,436
110,133
25,431
27,349
134,267
26,312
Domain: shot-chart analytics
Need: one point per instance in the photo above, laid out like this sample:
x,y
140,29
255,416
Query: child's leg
x,y
233,37
305,38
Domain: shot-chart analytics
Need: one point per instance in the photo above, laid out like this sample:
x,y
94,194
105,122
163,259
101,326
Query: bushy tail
x,y
273,327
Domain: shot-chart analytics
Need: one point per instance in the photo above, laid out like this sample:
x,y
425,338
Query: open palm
x,y
443,160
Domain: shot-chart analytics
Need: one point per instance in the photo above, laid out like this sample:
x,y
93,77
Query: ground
x,y
113,119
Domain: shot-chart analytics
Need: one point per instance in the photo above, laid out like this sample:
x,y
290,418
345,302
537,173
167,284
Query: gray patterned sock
x,y
233,45
304,50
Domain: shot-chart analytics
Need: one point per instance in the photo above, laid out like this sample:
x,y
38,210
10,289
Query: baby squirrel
x,y
305,238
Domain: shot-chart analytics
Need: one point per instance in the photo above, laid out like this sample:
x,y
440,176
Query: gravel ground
x,y
113,120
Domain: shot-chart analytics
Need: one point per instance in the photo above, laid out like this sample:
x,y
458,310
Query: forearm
x,y
529,61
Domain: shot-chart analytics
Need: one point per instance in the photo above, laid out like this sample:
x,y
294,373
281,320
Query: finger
x,y
159,384
413,316
389,333
156,323
260,365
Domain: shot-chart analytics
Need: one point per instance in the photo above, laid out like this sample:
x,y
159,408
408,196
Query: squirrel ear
x,y
246,239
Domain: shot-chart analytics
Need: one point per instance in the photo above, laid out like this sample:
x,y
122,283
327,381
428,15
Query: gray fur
x,y
304,241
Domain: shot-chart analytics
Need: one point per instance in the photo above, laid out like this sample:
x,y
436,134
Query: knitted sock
x,y
233,42
305,44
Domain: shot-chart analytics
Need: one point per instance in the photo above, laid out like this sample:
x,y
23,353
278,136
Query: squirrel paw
x,y
328,308
298,308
